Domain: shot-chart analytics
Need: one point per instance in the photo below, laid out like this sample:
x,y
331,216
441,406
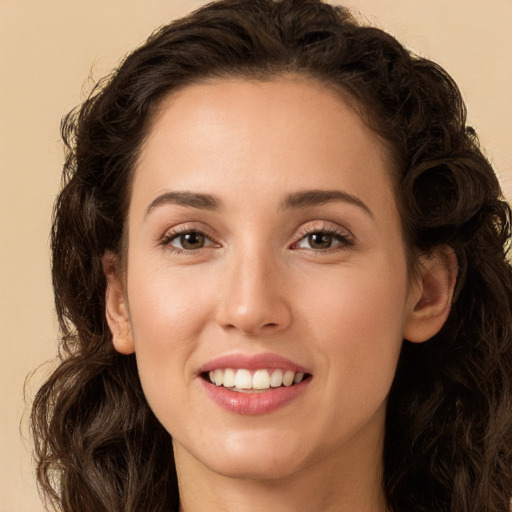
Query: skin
x,y
257,286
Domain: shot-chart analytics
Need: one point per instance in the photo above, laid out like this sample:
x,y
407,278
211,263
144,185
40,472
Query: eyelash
x,y
345,239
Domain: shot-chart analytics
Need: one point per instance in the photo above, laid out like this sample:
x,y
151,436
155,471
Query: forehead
x,y
285,133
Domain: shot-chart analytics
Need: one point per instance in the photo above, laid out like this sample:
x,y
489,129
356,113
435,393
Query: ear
x,y
116,306
431,294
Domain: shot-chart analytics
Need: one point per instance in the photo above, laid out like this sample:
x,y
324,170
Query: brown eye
x,y
320,240
189,241
324,240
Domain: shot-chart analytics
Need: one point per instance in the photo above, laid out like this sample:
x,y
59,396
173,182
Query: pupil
x,y
320,240
192,240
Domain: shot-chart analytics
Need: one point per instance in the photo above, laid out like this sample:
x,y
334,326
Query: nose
x,y
253,298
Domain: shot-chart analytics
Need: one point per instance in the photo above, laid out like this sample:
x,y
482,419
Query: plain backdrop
x,y
51,51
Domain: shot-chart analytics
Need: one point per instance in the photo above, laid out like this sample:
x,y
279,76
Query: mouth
x,y
254,384
242,380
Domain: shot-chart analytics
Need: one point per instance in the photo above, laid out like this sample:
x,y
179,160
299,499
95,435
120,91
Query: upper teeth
x,y
260,379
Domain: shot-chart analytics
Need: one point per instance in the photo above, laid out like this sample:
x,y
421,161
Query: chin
x,y
250,455
257,468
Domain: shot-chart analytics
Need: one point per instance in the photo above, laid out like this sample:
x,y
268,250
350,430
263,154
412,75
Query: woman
x,y
279,261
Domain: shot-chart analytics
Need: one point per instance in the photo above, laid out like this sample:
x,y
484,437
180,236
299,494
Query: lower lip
x,y
254,403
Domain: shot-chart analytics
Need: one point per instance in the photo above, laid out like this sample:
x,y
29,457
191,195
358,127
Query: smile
x,y
254,384
260,380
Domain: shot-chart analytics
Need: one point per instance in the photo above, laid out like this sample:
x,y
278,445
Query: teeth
x,y
276,379
243,379
261,380
288,378
229,378
219,376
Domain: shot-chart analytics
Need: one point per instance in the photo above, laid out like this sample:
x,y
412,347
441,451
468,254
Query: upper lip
x,y
253,362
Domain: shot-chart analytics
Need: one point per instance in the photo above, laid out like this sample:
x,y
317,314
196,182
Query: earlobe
x,y
116,308
431,294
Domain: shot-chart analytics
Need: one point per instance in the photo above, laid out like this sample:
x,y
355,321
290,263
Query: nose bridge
x,y
253,296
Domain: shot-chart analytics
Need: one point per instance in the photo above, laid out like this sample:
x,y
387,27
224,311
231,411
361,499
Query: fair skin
x,y
250,263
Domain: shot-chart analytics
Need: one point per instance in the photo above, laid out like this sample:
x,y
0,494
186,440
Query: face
x,y
265,246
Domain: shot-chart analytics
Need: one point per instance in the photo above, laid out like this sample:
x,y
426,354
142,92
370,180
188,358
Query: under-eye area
x,y
252,381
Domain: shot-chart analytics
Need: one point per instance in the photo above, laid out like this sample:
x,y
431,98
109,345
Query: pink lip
x,y
252,362
253,403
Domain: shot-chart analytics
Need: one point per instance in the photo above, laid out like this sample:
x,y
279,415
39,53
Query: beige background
x,y
49,48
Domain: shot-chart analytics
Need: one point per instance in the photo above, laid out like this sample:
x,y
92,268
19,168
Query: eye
x,y
187,241
323,239
319,240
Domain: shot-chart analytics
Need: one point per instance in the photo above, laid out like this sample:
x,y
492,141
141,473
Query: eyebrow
x,y
191,199
297,200
307,198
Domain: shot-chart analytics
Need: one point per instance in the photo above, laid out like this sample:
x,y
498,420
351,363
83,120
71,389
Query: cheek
x,y
358,326
167,314
167,306
365,300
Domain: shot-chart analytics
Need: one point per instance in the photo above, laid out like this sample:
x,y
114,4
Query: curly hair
x,y
449,418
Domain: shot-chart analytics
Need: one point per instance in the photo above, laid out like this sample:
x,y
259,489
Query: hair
x,y
449,423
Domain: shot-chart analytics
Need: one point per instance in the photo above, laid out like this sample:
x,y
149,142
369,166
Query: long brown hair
x,y
449,421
